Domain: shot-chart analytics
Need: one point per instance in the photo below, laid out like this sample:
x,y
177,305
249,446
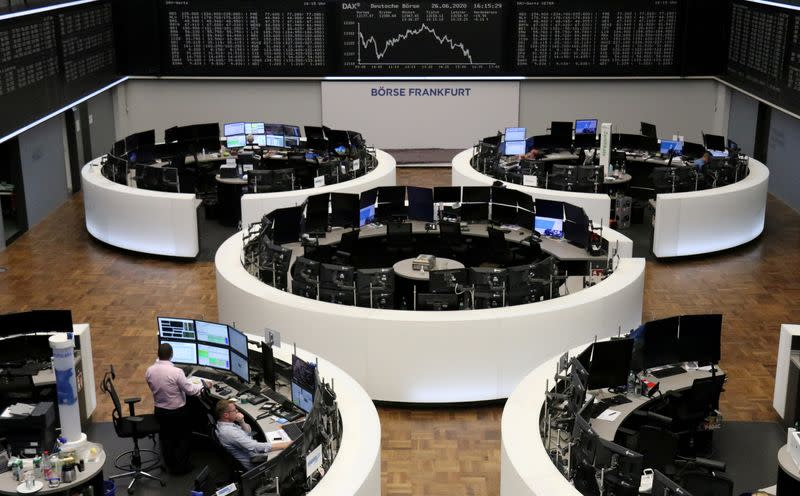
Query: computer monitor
x,y
317,213
303,372
585,140
514,147
366,215
623,467
237,141
505,196
291,131
475,194
521,276
260,140
176,328
445,281
302,397
648,130
586,126
182,352
261,479
254,128
394,195
291,142
447,194
437,301
664,486
529,144
420,203
277,256
344,209
240,366
610,364
574,213
234,129
561,129
492,140
339,276
368,197
577,233
119,148
314,132
514,134
488,277
380,279
286,225
273,129
700,338
503,214
237,341
667,146
212,332
474,212
660,343
275,141
217,357
714,142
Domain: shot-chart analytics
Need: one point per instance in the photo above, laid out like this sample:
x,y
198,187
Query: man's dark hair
x,y
164,351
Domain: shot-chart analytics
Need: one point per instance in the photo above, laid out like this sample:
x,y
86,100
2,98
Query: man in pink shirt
x,y
170,387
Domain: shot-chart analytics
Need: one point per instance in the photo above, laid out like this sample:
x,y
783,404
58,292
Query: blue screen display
x,y
234,128
586,126
366,215
667,145
514,134
514,148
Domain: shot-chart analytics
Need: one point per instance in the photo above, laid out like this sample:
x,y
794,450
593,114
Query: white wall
x,y
685,106
141,104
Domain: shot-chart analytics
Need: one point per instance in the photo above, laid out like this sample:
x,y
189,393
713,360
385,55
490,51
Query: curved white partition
x,y
525,466
356,470
712,219
254,206
432,357
596,205
138,219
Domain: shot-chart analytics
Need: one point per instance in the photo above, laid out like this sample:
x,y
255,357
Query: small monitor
x,y
274,129
238,341
574,213
447,194
240,367
175,328
649,130
303,372
260,139
529,144
276,141
514,148
217,357
234,129
714,141
344,209
317,213
212,332
561,129
586,126
291,142
185,353
514,134
368,197
366,216
291,131
503,214
505,196
254,128
667,146
611,363
237,141
302,397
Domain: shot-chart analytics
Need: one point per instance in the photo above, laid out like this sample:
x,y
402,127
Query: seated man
x,y
235,435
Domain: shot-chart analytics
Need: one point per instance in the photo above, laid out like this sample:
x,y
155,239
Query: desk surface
x,y
9,486
403,268
786,463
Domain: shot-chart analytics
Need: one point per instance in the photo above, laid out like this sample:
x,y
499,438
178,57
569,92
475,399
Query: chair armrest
x,y
709,464
259,458
130,402
663,419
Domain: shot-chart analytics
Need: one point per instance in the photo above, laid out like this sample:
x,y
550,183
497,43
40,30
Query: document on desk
x,y
278,435
609,415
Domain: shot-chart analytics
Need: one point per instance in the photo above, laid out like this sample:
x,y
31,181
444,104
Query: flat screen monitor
x,y
542,224
585,141
447,194
475,194
240,367
514,147
474,212
503,214
344,209
273,129
700,338
667,146
649,130
291,142
586,126
714,141
217,357
718,153
488,277
394,195
176,328
504,196
660,343
529,144
381,279
626,141
212,332
340,276
182,352
260,140
303,372
525,218
576,233
276,141
291,131
445,281
550,209
369,197
119,148
437,301
237,341
574,213
317,213
611,363
514,134
693,150
314,132
492,140
420,203
664,486
237,141
234,128
286,225
366,216
254,128
302,397
561,129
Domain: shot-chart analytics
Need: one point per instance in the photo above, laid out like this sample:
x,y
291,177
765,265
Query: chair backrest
x,y
349,240
116,415
398,232
705,392
707,484
283,179
497,240
451,232
658,446
259,181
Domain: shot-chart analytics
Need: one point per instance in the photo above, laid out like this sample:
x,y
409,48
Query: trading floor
x,y
447,451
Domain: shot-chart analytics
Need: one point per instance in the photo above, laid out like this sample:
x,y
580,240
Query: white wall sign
x,y
605,144
530,181
319,181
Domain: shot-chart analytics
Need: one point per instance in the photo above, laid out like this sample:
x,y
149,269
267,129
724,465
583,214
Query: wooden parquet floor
x,y
430,452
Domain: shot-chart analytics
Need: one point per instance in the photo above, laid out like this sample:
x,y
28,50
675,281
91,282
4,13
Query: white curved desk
x,y
356,470
139,219
596,205
712,219
254,206
432,357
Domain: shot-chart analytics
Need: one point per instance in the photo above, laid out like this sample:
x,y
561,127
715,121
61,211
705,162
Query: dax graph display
x,y
422,37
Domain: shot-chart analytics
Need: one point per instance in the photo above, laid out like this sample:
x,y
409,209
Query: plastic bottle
x,y
632,383
37,468
47,467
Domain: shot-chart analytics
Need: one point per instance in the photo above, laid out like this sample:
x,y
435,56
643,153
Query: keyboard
x,y
274,396
668,372
294,431
211,376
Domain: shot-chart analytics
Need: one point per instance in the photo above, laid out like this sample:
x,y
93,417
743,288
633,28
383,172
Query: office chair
x,y
707,484
236,468
139,177
659,448
690,409
398,239
283,179
347,248
453,243
135,427
170,179
499,250
259,181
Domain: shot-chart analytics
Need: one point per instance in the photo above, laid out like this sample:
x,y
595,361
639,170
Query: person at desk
x,y
170,387
236,436
533,154
701,163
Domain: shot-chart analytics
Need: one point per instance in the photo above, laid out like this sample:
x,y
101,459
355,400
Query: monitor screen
x,y
317,213
447,194
344,209
274,129
260,139
476,194
574,213
238,341
576,233
253,128
549,208
514,134
275,140
420,203
660,343
302,397
542,224
514,148
237,141
611,363
700,338
649,130
240,367
664,486
291,131
212,332
185,353
234,128
670,145
474,212
503,214
303,372
586,126
174,328
291,142
368,197
213,356
366,216
504,196
714,142
529,144
562,129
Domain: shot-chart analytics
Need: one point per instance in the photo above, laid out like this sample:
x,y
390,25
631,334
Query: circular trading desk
x,y
163,223
432,357
687,223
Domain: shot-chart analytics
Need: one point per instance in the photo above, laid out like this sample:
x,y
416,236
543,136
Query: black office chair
x,y
283,179
500,251
659,448
135,427
139,177
347,248
689,410
453,243
399,240
707,484
170,179
259,181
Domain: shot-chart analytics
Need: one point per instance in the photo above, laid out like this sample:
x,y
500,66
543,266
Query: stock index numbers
x,y
422,37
